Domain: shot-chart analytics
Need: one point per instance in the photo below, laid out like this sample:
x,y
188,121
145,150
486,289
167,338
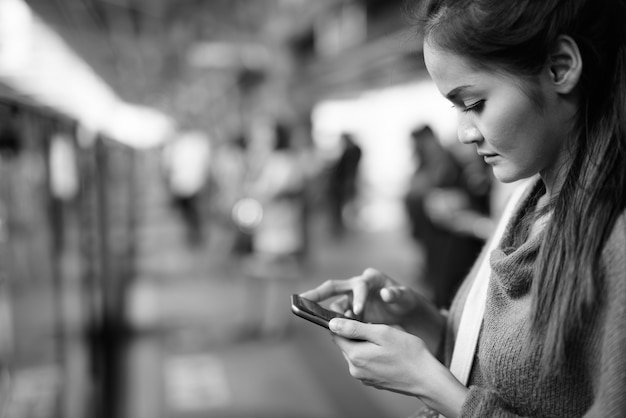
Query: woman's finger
x,y
341,304
370,279
397,294
360,292
327,290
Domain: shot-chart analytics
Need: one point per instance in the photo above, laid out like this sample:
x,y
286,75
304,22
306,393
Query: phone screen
x,y
316,309
313,311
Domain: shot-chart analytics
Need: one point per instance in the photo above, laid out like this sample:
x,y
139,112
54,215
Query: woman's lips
x,y
488,158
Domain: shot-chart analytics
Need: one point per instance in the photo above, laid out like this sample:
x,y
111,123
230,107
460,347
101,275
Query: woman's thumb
x,y
347,328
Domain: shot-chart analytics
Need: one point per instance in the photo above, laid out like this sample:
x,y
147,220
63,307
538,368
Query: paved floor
x,y
221,344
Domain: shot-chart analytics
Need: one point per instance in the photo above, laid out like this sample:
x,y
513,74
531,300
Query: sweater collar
x,y
513,268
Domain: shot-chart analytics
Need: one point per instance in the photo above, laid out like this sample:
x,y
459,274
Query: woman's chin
x,y
507,176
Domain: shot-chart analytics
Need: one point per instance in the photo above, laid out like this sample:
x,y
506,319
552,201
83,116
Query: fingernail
x,y
334,325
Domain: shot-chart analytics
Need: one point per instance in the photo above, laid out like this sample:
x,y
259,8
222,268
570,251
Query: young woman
x,y
540,89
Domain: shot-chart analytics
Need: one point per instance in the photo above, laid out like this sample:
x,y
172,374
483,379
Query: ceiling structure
x,y
184,57
198,60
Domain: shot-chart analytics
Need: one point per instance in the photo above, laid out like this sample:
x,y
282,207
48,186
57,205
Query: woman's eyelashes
x,y
473,107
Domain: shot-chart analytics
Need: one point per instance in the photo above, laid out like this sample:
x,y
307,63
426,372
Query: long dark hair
x,y
516,36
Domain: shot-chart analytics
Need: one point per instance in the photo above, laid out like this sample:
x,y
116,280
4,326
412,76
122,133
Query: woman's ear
x,y
565,65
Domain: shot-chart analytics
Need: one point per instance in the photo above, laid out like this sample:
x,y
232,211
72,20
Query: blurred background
x,y
172,170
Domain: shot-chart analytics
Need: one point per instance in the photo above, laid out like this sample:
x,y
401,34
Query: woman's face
x,y
515,135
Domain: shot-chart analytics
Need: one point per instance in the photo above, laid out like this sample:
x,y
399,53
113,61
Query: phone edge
x,y
309,317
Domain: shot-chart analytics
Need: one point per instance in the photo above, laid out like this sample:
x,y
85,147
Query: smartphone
x,y
313,311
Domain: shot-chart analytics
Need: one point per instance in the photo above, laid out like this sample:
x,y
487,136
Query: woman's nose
x,y
469,134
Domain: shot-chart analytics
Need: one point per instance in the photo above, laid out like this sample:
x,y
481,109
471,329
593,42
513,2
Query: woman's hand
x,y
372,297
387,358
376,298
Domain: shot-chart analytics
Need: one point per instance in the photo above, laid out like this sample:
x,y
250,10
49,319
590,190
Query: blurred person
x,y
342,187
231,170
278,189
10,141
64,176
434,167
279,186
538,328
186,164
444,202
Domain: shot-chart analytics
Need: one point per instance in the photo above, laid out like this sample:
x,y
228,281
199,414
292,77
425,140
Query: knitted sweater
x,y
504,379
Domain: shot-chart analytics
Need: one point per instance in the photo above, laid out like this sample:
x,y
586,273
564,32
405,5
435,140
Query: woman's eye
x,y
474,107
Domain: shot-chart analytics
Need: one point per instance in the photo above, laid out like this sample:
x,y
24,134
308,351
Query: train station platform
x,y
212,339
208,337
